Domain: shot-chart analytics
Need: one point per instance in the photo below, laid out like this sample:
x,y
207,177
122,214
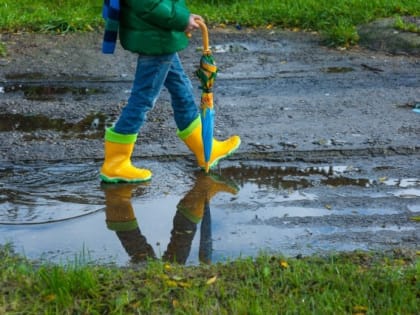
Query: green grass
x,y
56,15
401,24
353,283
335,20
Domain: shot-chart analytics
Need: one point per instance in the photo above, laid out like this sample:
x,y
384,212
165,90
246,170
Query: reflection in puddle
x,y
296,177
192,209
17,122
403,183
337,69
54,211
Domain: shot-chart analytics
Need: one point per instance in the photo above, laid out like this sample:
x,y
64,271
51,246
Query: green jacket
x,y
153,27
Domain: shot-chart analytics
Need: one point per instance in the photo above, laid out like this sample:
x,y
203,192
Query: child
x,y
155,30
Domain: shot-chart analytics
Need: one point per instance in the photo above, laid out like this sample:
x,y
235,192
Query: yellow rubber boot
x,y
220,149
117,166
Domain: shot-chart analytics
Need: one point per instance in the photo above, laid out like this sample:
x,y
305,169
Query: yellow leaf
x,y
171,283
284,264
359,309
415,218
184,284
175,303
329,207
50,297
269,26
382,179
163,277
211,280
167,267
176,278
135,304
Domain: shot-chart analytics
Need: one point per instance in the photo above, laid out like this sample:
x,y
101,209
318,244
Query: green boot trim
x,y
187,214
112,136
183,134
116,180
122,226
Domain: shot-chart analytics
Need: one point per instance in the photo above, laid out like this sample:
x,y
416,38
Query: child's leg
x,y
182,95
120,139
150,76
187,118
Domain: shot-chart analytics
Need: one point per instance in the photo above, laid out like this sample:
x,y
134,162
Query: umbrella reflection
x,y
193,209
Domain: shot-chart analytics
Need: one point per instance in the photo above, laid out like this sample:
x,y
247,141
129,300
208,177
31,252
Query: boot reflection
x,y
120,218
193,208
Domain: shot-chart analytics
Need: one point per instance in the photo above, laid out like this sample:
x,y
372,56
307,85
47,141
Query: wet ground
x,y
328,161
60,210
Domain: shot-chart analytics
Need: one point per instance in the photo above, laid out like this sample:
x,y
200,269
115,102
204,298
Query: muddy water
x,y
59,211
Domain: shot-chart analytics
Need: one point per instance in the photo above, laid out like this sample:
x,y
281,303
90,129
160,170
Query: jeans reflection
x,y
192,209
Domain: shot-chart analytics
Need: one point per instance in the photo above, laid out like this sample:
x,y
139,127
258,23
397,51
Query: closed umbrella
x,y
207,74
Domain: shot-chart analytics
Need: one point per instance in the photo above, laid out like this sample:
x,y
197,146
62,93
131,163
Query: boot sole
x,y
115,180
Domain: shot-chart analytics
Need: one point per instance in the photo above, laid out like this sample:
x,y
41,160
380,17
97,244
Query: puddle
x,y
337,69
40,76
230,48
26,76
55,212
18,122
51,93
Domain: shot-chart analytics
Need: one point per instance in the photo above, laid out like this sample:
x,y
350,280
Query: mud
x,y
306,108
302,97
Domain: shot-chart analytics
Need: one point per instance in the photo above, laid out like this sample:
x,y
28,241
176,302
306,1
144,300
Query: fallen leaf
x,y
211,280
135,305
284,264
359,309
382,179
50,297
415,218
184,284
176,278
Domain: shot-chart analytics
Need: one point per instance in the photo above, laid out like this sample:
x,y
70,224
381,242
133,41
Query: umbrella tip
x,y
207,167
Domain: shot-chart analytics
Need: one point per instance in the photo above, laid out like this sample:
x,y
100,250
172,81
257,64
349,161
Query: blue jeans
x,y
152,73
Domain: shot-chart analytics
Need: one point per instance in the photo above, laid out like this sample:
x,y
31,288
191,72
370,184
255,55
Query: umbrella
x,y
206,74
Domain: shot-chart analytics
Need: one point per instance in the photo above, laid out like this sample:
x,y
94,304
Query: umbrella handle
x,y
204,31
205,34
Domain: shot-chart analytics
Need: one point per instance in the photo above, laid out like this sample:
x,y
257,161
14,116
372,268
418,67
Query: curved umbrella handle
x,y
204,31
205,34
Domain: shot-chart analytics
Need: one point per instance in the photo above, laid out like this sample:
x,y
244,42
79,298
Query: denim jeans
x,y
152,73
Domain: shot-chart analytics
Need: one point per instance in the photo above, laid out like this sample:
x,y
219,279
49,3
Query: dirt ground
x,y
282,92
